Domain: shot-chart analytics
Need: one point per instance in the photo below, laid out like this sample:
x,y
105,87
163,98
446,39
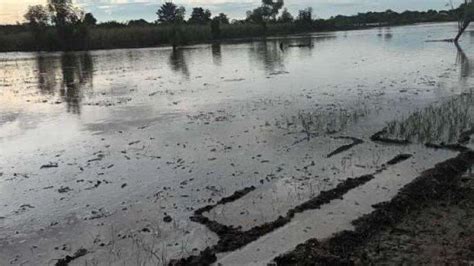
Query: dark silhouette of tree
x,y
265,13
68,21
170,13
285,17
38,19
216,23
63,13
216,28
305,16
256,16
272,8
200,16
465,19
37,16
222,18
89,19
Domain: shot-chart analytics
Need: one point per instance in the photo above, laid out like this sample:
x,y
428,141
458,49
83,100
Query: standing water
x,y
111,152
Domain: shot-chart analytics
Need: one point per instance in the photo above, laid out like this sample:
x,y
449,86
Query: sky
x,y
12,11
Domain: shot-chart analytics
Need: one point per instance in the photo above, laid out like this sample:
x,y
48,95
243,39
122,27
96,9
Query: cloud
x,y
123,10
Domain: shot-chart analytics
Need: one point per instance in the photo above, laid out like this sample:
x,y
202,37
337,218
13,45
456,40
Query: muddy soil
x,y
442,232
429,222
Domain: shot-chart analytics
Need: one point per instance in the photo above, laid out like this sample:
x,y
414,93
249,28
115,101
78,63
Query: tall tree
x,y
171,13
200,16
272,7
222,18
467,15
38,19
66,18
89,19
216,28
266,12
37,16
305,16
64,13
286,16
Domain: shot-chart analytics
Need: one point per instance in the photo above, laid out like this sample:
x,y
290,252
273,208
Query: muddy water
x,y
97,148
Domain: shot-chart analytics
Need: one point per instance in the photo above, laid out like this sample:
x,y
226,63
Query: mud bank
x,y
355,141
68,259
380,137
438,184
232,238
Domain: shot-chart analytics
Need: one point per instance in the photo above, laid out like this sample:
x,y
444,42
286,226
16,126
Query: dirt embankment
x,y
430,221
232,238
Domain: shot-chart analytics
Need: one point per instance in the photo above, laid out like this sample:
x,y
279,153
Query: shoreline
x,y
226,40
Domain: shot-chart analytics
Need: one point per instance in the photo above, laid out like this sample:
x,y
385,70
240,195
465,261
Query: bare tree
x,y
465,17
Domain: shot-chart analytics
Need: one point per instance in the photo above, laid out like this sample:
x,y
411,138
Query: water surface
x,y
137,135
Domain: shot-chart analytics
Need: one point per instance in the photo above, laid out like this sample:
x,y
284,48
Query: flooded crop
x,y
231,153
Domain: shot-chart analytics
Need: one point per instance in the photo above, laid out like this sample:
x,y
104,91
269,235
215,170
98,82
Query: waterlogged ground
x,y
109,153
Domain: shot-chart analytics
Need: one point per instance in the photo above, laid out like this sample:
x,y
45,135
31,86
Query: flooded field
x,y
111,157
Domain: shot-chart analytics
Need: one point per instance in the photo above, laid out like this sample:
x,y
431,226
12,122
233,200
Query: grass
x,y
100,37
139,36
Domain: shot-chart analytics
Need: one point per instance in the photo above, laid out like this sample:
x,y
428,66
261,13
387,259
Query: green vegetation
x,y
61,26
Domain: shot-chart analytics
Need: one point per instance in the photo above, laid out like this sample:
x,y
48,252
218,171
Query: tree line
x,y
59,25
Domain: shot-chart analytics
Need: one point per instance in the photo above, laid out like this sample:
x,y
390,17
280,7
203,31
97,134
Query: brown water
x,y
140,134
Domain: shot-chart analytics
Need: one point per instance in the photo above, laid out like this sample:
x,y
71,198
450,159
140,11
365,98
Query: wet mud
x,y
355,141
380,137
68,259
232,238
339,249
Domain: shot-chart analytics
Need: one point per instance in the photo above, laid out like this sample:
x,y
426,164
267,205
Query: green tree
x,y
38,19
68,22
305,16
37,16
216,28
256,16
272,8
222,18
285,17
265,13
89,19
64,13
171,13
200,16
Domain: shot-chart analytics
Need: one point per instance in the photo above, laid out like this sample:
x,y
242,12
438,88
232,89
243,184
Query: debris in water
x,y
167,219
50,165
64,189
66,260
